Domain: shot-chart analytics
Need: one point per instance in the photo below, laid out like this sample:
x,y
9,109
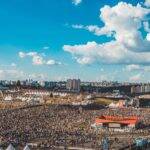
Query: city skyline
x,y
91,40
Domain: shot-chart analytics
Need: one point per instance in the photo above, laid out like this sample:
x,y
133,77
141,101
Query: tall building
x,y
147,88
73,85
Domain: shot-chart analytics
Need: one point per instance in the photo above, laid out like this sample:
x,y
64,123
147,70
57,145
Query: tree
x,y
51,95
18,84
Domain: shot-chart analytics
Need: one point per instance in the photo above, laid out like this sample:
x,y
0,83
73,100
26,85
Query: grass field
x,y
104,101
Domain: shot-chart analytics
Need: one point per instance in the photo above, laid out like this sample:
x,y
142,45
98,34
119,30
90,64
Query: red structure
x,y
116,121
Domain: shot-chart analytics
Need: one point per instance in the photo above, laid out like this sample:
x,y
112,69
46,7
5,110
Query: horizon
x,y
87,40
82,81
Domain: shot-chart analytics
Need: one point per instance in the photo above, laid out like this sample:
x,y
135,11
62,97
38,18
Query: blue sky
x,y
56,40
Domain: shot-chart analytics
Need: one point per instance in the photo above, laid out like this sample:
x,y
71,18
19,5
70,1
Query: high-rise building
x,y
73,85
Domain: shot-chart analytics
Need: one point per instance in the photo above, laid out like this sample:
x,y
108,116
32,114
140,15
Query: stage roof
x,y
117,119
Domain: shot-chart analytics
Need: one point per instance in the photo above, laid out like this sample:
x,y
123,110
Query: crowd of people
x,y
58,125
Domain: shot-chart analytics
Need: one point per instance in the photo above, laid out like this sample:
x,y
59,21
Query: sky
x,y
93,40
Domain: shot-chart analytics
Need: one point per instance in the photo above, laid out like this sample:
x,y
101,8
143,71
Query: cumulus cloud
x,y
76,2
106,53
147,3
123,23
38,59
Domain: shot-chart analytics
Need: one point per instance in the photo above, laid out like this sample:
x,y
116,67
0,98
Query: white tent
x,y
8,98
26,147
10,147
112,105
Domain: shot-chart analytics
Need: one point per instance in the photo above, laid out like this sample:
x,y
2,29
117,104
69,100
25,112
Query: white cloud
x,y
125,20
45,47
146,68
11,74
135,67
147,3
146,26
16,74
76,2
38,59
22,55
122,22
102,69
107,53
78,26
132,67
8,65
13,65
148,37
147,29
38,77
135,78
94,29
53,62
84,60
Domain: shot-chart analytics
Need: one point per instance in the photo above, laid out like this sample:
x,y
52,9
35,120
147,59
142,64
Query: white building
x,y
73,85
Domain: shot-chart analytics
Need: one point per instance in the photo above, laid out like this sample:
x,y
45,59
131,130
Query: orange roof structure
x,y
117,119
